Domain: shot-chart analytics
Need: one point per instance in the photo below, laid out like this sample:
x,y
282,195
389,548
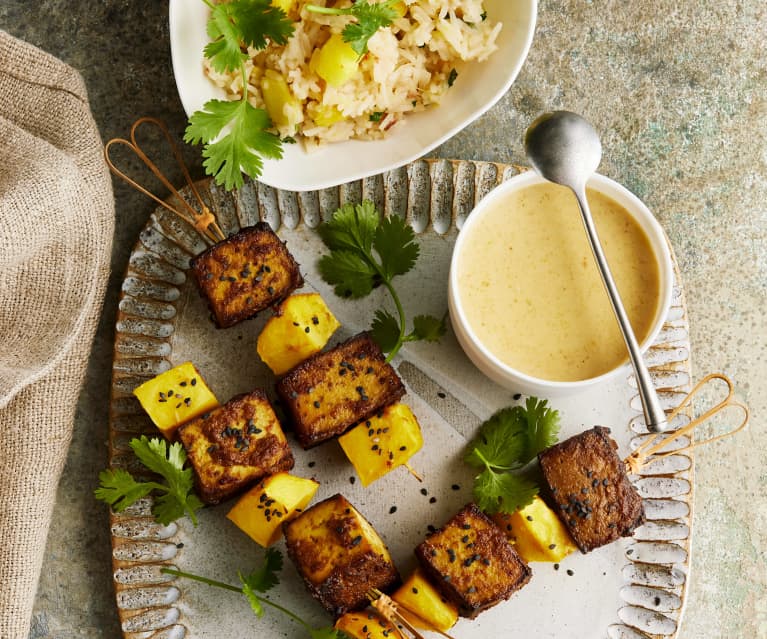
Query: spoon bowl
x,y
564,148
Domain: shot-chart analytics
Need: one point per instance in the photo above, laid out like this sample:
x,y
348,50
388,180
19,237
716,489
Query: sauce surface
x,y
531,290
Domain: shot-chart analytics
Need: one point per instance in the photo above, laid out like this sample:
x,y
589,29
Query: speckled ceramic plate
x,y
632,589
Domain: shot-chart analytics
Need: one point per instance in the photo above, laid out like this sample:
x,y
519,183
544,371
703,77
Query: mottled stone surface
x,y
679,94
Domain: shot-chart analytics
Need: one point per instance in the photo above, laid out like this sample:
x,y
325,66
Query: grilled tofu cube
x,y
174,397
419,596
589,489
246,273
472,563
260,512
339,555
301,327
338,388
235,445
536,532
383,442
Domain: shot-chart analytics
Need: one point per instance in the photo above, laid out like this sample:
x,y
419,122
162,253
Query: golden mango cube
x,y
383,442
300,328
175,397
336,61
537,532
259,513
325,114
365,625
283,107
418,596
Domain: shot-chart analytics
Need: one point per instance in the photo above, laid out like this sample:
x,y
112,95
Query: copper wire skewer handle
x,y
647,453
203,220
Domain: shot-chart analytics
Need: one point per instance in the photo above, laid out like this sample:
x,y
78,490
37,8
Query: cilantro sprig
x,y
367,251
119,489
256,584
236,134
505,445
370,16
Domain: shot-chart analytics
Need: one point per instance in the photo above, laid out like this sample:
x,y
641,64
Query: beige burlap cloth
x,y
56,222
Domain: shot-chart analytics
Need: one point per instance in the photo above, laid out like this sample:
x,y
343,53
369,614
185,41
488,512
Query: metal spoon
x,y
565,149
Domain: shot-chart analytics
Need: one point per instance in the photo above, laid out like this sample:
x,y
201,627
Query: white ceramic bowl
x,y
518,380
334,164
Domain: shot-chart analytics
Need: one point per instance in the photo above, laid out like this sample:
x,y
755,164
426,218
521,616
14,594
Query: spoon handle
x,y
655,416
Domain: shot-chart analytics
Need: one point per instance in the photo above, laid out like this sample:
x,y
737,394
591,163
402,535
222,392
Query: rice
x,y
409,67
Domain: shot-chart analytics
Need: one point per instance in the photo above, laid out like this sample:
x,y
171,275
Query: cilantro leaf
x,y
265,578
243,22
501,442
242,148
370,16
366,251
351,275
261,580
542,426
505,444
119,489
385,330
235,132
428,328
503,491
395,244
223,50
352,227
260,21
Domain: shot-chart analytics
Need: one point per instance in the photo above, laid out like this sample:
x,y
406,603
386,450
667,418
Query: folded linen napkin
x,y
56,223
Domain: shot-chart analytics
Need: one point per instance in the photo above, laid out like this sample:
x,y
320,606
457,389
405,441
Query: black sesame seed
x,y
356,541
570,572
415,590
455,487
529,518
222,278
441,395
375,447
231,278
517,396
267,269
471,589
552,546
403,447
656,601
182,384
342,372
208,276
595,483
431,528
465,539
352,479
270,290
178,405
315,320
424,491
307,330
605,482
296,324
162,401
556,566
466,526
392,510
316,404
630,551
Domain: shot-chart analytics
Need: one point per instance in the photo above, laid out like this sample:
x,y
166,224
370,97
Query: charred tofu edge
x,y
502,549
200,268
576,507
374,565
298,383
200,455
